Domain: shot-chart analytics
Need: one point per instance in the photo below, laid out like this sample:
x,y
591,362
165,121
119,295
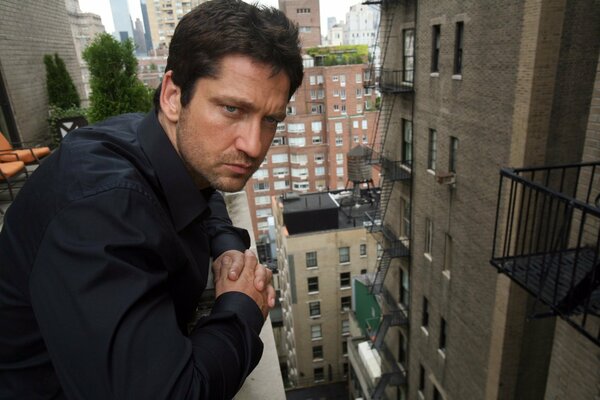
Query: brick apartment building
x,y
470,88
330,113
307,14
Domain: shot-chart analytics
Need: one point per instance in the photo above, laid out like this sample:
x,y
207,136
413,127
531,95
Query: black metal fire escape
x,y
547,239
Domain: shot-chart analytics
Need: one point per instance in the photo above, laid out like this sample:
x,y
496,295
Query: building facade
x,y
122,20
468,90
23,94
362,22
321,244
163,17
306,14
330,113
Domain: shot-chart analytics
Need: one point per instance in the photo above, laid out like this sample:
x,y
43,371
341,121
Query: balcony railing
x,y
390,80
547,239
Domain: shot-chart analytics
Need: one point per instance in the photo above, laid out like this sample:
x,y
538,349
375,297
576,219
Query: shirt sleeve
x,y
223,235
99,291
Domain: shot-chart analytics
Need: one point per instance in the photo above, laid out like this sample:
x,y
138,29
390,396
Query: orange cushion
x,y
25,154
11,168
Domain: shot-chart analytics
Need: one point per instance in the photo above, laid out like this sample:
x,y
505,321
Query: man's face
x,y
224,132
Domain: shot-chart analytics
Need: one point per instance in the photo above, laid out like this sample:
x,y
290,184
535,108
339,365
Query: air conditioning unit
x,y
445,178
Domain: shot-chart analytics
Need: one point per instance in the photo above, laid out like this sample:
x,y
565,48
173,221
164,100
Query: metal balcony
x,y
377,372
390,80
393,315
547,239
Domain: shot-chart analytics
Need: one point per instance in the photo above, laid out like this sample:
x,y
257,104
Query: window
x,y
344,253
342,80
363,249
336,107
358,78
319,171
300,172
405,217
260,174
320,79
355,124
296,128
316,109
346,369
279,158
339,141
290,110
364,139
320,94
261,186
315,332
280,127
345,279
260,200
404,287
344,347
442,345
447,254
311,259
339,158
297,141
319,374
319,157
298,158
278,185
409,55
435,48
264,212
313,284
432,153
311,79
317,352
301,186
343,109
402,348
313,94
345,327
317,140
406,142
428,236
355,139
314,308
421,379
339,127
316,126
364,124
335,78
343,94
303,10
458,48
425,313
281,171
278,141
453,151
336,93
346,303
359,108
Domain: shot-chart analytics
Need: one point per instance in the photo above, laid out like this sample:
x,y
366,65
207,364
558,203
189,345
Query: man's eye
x,y
230,109
271,120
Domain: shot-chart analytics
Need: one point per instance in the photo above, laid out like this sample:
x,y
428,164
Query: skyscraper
x,y
122,20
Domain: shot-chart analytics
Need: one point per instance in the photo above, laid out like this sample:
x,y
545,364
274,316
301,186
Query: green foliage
x,y
113,79
339,55
61,89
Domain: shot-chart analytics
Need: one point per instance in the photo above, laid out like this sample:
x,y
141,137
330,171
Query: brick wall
x,y
31,29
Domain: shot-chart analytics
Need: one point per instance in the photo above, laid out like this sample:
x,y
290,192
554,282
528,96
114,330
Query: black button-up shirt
x,y
103,257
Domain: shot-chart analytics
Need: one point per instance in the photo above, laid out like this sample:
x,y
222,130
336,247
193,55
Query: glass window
x,y
421,379
363,249
404,287
279,158
406,142
317,140
317,352
296,127
425,313
297,141
281,171
278,185
339,158
442,334
311,259
409,55
315,331
261,186
313,284
319,157
453,153
319,171
319,374
428,236
298,158
432,153
364,124
344,253
260,174
458,48
339,141
345,327
314,308
435,48
339,127
345,279
346,303
259,200
316,126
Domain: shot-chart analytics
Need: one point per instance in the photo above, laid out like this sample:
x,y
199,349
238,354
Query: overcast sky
x,y
329,8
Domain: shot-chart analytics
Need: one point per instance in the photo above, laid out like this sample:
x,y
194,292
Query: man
x,y
105,252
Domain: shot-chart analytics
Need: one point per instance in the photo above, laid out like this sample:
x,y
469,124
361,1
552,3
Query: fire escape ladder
x,y
384,325
382,267
386,22
381,127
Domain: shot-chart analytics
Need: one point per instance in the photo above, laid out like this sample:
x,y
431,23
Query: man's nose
x,y
249,139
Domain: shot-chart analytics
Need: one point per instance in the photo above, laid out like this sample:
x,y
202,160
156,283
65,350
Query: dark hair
x,y
219,28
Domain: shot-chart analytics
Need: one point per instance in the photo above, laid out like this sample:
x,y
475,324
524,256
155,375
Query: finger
x,y
260,278
271,296
234,269
222,262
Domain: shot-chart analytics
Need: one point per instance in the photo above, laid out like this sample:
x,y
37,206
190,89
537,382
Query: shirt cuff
x,y
243,306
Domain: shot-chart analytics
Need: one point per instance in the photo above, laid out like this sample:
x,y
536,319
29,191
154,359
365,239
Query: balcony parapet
x,y
390,80
547,239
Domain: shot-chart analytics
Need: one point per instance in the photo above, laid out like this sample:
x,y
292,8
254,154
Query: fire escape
x,y
547,240
393,84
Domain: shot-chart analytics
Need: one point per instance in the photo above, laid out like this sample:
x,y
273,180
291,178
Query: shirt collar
x,y
185,201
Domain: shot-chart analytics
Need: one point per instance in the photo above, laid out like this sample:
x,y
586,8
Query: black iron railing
x,y
390,80
547,239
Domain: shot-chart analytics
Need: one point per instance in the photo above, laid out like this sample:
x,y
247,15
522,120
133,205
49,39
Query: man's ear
x,y
170,98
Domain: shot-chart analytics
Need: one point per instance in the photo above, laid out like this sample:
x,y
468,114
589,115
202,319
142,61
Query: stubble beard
x,y
207,176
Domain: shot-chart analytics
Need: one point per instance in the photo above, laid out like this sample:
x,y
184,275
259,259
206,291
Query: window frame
x,y
312,256
458,48
436,38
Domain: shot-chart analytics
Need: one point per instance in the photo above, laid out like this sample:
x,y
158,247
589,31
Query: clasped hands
x,y
241,272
